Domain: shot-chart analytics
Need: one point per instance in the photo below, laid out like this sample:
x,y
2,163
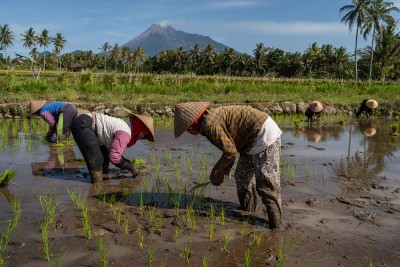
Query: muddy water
x,y
340,188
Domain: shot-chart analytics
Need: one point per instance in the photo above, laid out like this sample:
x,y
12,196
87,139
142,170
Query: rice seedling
x,y
77,198
16,144
102,249
159,222
7,176
125,224
29,142
186,251
140,238
243,229
283,248
167,158
152,159
205,260
138,162
44,227
258,238
119,214
163,263
190,216
221,216
211,228
151,214
49,204
79,160
395,128
226,239
16,209
177,234
150,256
247,257
86,221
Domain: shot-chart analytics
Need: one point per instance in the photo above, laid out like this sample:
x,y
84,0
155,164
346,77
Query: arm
x,y
219,137
49,118
118,145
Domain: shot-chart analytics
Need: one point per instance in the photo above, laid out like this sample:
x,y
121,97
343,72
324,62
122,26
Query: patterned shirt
x,y
232,129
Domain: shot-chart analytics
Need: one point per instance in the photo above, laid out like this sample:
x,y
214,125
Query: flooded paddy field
x,y
340,192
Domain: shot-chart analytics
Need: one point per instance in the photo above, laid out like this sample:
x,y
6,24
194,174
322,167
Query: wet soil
x,y
340,189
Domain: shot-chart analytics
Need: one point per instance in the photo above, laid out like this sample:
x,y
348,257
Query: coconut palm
x,y
44,40
356,14
195,56
139,56
387,50
6,39
260,54
59,44
125,54
105,48
29,38
115,54
378,16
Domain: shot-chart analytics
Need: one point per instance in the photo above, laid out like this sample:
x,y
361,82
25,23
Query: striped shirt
x,y
232,129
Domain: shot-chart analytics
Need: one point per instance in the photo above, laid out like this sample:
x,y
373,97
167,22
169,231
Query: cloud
x,y
284,28
232,4
164,23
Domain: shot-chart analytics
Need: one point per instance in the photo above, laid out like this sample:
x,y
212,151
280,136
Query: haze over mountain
x,y
164,37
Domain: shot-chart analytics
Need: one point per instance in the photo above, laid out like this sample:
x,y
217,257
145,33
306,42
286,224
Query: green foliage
x,y
395,128
62,78
87,78
7,176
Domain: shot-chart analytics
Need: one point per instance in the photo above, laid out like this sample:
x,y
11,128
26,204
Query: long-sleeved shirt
x,y
50,113
114,134
232,129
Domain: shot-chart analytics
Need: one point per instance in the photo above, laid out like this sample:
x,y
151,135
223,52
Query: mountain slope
x,y
164,37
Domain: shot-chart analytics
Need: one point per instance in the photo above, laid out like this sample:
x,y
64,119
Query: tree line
x,y
370,18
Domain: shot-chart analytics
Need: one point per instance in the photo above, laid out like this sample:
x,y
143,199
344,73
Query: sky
x,y
290,25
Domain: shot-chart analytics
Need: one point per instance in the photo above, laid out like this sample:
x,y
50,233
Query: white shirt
x,y
268,134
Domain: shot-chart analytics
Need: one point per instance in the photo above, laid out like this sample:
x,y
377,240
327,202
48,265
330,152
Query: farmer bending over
x,y
103,138
314,110
58,115
254,135
367,107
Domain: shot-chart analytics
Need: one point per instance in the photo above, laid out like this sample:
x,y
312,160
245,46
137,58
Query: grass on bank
x,y
138,90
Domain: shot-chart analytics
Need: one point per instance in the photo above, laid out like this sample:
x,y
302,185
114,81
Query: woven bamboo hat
x,y
313,134
186,114
147,121
372,104
316,106
35,105
369,132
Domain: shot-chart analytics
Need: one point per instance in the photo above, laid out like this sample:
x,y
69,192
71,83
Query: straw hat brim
x,y
369,132
186,114
147,121
316,106
372,104
35,105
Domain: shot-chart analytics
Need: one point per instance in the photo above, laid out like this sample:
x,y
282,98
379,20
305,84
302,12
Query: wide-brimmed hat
x,y
186,114
316,106
35,105
313,134
369,132
372,103
147,121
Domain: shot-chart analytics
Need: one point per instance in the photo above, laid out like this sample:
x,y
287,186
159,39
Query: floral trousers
x,y
260,174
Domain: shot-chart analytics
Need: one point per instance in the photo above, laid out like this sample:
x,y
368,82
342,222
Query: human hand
x,y
217,177
135,172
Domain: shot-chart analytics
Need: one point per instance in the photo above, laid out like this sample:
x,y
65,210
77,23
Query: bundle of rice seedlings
x,y
138,162
80,160
201,186
7,176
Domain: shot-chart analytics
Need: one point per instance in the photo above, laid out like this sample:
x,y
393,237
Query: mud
x,y
340,189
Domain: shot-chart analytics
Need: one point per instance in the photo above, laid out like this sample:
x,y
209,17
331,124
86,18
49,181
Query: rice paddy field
x,y
340,192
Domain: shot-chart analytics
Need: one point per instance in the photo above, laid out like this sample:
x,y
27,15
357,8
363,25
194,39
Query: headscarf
x,y
136,127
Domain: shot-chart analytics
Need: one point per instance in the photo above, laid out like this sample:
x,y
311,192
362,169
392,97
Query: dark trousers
x,y
95,155
69,113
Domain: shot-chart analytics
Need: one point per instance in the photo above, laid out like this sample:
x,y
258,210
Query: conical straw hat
x,y
35,105
369,132
186,114
316,106
372,104
148,122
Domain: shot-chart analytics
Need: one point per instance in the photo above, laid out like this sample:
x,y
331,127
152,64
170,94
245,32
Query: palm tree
x,y
139,56
115,54
378,16
356,13
44,40
387,50
195,56
59,44
260,53
104,48
6,39
29,38
125,54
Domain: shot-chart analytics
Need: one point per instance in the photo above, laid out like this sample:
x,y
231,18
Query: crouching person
x,y
102,138
244,130
314,110
367,106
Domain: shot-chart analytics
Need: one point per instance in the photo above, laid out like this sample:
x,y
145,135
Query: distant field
x,y
117,88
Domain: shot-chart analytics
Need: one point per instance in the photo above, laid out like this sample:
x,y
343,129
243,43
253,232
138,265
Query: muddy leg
x,y
268,185
246,183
